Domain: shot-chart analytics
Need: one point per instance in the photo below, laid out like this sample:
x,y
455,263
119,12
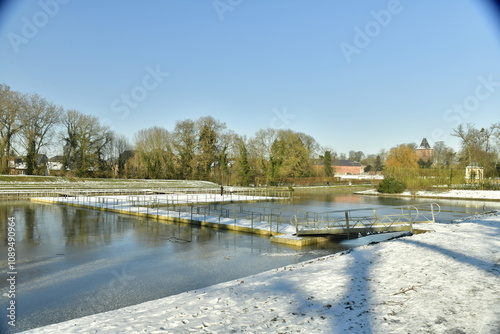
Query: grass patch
x,y
28,178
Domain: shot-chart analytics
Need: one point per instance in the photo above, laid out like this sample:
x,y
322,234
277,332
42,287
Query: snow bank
x,y
442,282
459,194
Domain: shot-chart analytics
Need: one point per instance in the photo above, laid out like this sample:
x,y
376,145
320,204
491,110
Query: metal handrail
x,y
346,220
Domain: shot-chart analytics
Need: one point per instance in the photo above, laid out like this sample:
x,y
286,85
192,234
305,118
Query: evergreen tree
x,y
327,162
244,165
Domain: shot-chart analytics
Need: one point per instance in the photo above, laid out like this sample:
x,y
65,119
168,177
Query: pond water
x,y
73,262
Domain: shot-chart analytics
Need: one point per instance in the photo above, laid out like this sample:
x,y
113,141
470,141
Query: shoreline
x,y
473,195
441,282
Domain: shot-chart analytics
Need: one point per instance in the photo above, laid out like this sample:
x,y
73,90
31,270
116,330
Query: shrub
x,y
391,186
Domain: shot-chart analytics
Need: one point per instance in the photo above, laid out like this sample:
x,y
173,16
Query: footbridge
x,y
364,221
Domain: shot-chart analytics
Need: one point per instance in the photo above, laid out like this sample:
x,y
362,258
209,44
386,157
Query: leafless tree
x,y
444,155
121,153
38,119
477,145
11,103
85,143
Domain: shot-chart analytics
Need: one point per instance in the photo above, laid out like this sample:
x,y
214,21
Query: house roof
x,y
424,145
57,158
346,163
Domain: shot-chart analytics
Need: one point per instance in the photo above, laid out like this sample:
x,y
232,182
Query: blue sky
x,y
356,75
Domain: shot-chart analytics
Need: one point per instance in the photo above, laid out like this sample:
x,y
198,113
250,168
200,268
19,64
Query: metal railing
x,y
365,220
228,192
207,207
213,208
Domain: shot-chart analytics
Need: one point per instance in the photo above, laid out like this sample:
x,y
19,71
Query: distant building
x,y
340,167
347,167
18,165
425,151
55,164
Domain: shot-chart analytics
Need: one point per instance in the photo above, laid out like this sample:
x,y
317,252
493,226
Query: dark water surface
x,y
73,262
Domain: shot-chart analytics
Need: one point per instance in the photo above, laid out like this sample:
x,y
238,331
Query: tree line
x,y
204,148
195,149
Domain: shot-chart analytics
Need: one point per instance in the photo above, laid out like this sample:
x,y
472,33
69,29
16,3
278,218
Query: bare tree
x,y
356,155
310,143
444,155
477,146
37,119
85,143
122,152
10,108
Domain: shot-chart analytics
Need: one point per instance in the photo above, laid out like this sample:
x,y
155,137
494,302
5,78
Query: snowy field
x,y
446,281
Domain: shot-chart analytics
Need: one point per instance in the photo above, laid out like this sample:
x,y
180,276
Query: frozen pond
x,y
73,262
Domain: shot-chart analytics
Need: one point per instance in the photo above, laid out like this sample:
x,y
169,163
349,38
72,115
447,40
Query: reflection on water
x,y
73,262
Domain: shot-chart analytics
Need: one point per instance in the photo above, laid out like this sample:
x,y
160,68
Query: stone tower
x,y
425,151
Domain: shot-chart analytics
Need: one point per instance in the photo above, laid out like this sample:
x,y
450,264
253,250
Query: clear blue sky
x,y
356,75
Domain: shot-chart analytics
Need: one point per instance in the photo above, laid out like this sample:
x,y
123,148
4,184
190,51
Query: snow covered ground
x,y
458,194
446,281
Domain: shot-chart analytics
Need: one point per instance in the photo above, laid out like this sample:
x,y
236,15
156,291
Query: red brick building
x,y
425,151
347,167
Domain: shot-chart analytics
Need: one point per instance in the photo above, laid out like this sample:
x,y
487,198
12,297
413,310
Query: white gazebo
x,y
474,173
